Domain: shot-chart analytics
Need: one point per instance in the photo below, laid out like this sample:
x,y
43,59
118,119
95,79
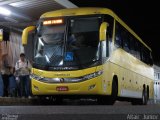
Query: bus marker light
x,y
50,22
91,87
35,87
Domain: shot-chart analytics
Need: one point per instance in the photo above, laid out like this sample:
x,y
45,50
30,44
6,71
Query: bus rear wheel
x,y
143,100
58,100
144,97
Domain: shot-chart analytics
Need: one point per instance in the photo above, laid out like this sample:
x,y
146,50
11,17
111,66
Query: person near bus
x,y
13,91
5,71
1,85
23,68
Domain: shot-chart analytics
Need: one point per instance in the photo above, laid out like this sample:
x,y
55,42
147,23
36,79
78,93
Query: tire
x,y
41,100
109,100
143,100
135,102
45,100
58,100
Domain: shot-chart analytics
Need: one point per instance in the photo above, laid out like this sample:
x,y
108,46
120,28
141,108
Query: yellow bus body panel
x,y
42,88
132,73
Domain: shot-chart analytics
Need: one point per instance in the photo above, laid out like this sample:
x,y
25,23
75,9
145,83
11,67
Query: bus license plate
x,y
62,88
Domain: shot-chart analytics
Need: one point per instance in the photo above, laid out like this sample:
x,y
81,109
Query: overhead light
x,y
4,11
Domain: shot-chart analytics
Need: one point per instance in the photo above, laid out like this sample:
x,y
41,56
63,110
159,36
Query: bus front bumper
x,y
92,87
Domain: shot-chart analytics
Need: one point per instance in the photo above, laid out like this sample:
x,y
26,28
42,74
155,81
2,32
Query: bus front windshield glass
x,y
77,45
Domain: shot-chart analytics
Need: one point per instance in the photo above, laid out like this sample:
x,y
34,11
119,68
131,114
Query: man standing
x,y
23,68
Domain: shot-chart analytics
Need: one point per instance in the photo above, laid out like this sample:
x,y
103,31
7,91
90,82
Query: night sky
x,y
143,16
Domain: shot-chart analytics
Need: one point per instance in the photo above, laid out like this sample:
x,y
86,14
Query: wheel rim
x,y
143,98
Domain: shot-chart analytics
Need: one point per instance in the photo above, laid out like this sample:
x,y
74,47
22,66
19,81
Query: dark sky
x,y
143,16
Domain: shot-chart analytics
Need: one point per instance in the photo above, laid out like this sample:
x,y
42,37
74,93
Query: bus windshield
x,y
75,45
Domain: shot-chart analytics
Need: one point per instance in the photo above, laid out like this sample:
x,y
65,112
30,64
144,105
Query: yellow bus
x,y
89,52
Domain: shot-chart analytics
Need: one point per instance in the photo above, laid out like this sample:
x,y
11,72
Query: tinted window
x,y
125,38
83,41
130,44
118,37
137,49
146,56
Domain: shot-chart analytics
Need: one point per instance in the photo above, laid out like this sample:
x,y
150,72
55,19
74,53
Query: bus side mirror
x,y
103,31
25,34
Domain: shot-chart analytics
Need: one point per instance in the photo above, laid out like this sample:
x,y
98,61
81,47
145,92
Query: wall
x,y
11,49
15,48
156,83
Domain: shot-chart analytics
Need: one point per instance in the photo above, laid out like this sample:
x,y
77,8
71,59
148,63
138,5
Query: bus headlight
x,y
92,75
36,77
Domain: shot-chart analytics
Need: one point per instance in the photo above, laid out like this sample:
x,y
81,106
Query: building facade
x,y
156,84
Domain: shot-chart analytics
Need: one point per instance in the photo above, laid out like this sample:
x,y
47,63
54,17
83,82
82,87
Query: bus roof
x,y
90,11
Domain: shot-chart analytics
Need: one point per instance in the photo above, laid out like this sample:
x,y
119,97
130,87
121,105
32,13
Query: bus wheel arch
x,y
110,100
114,92
115,81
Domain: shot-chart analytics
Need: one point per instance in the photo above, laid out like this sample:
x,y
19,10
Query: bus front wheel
x,y
110,100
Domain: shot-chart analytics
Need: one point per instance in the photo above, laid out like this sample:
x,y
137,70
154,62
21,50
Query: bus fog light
x,y
91,87
36,88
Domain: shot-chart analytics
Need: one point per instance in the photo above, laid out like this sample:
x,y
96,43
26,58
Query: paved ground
x,y
76,110
80,112
10,101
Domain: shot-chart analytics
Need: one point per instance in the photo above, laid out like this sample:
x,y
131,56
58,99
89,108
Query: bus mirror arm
x,y
25,34
103,31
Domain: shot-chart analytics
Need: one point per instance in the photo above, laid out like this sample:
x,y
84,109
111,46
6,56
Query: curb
x,y
15,101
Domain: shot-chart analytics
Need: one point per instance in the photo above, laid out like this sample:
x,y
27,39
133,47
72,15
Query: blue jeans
x,y
12,86
24,85
1,86
5,78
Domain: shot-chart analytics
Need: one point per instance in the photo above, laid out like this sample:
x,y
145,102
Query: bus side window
x,y
146,57
118,37
118,40
125,40
137,49
150,58
143,56
132,46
